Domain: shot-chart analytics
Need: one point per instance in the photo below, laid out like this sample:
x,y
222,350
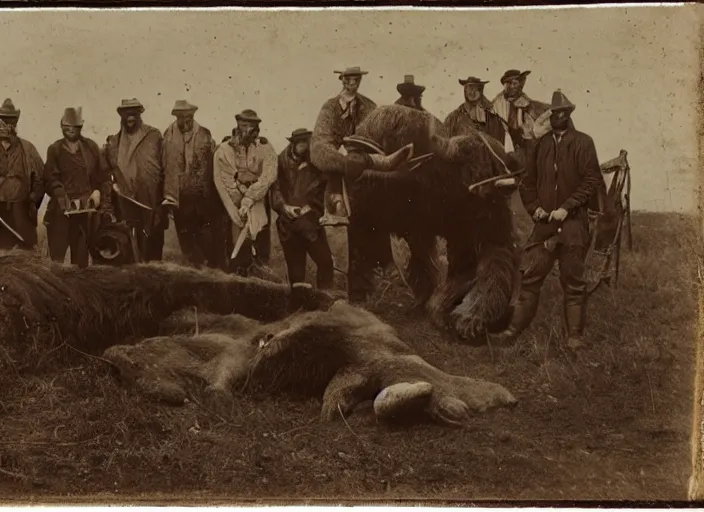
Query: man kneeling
x,y
298,196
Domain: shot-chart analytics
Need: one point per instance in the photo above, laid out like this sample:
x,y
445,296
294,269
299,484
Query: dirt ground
x,y
613,424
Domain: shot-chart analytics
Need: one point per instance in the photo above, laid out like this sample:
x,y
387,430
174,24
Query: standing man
x,y
244,169
76,178
516,109
338,118
411,94
476,112
187,159
298,196
562,174
21,183
134,157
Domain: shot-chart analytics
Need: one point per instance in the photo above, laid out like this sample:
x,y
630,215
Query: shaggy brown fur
x,y
434,201
44,304
345,354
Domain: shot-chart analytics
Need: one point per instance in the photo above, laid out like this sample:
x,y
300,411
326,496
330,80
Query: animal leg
x,y
345,391
423,268
488,300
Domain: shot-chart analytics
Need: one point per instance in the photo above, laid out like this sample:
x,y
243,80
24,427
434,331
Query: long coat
x,y
298,183
188,167
329,130
565,175
22,165
458,121
143,180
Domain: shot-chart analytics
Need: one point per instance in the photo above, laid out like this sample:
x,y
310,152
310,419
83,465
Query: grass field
x,y
613,423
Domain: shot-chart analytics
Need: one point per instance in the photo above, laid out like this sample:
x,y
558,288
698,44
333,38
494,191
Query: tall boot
x,y
575,319
523,314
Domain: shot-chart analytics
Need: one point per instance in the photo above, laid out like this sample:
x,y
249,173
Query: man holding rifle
x,y
562,174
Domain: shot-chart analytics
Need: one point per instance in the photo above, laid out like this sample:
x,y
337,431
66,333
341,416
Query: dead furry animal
x,y
45,304
346,355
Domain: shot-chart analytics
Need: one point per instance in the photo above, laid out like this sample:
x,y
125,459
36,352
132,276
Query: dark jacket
x,y
564,175
60,181
298,183
460,121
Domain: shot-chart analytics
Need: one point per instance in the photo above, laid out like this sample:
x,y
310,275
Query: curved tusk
x,y
506,182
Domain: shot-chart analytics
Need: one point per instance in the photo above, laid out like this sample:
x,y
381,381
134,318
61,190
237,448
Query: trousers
x,y
64,232
296,249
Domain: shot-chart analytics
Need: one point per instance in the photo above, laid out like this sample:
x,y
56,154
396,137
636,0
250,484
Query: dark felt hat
x,y
8,109
409,87
514,74
560,102
248,115
72,117
298,134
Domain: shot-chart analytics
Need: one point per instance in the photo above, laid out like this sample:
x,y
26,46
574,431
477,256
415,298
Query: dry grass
x,y
612,424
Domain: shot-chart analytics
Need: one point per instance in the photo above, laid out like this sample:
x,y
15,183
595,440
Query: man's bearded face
x,y
131,119
11,122
351,84
71,133
301,147
513,88
185,122
559,119
473,92
248,131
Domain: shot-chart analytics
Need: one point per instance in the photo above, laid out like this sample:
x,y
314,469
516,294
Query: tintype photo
x,y
360,254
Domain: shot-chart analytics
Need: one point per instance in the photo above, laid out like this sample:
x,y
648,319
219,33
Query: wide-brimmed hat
x,y
183,107
131,104
359,142
298,134
72,116
560,102
353,71
514,74
472,80
248,115
8,109
409,87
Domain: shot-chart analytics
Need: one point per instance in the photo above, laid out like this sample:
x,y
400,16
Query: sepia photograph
x,y
351,255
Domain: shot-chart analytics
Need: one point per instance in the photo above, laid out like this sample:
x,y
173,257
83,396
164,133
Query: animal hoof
x,y
403,398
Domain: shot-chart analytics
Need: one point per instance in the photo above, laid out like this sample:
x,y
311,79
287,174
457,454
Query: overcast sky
x,y
630,71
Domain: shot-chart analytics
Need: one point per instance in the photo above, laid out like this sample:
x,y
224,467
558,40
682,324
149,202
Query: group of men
x,y
220,196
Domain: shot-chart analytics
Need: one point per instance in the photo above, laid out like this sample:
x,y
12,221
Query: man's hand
x,y
63,202
94,198
116,187
246,206
291,212
559,215
539,214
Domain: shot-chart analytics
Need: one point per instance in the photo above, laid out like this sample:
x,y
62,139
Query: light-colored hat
x,y
183,107
133,103
72,116
353,71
